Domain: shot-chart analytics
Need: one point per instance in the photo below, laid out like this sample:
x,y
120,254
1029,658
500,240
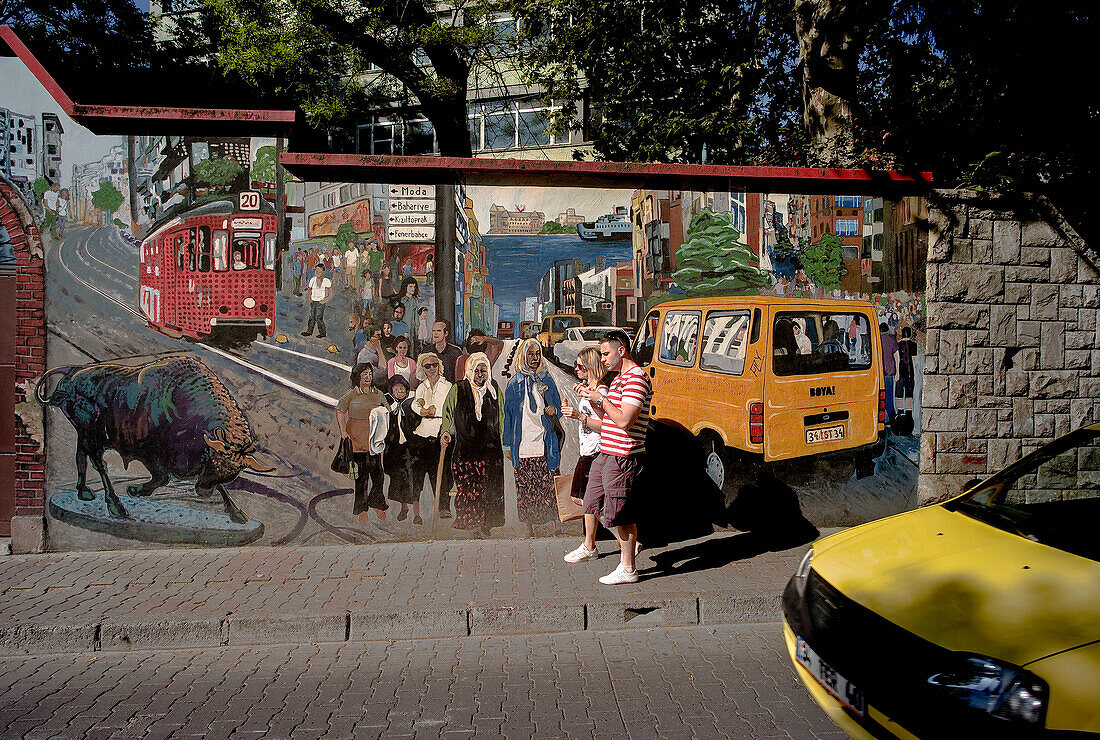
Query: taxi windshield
x,y
1052,496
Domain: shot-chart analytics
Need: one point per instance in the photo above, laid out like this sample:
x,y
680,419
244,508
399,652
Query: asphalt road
x,y
727,682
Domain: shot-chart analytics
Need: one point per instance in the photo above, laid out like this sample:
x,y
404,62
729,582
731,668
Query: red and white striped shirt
x,y
631,388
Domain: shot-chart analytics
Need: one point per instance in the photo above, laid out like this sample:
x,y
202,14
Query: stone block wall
x,y
1012,356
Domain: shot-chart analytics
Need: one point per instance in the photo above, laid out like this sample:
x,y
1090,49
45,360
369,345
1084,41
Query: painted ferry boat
x,y
609,227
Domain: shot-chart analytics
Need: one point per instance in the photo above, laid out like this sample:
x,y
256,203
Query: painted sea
x,y
518,262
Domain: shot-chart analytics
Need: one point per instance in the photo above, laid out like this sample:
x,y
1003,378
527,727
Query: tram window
x,y
204,248
246,252
221,249
269,251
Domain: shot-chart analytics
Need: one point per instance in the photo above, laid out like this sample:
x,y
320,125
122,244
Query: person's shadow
x,y
679,502
710,553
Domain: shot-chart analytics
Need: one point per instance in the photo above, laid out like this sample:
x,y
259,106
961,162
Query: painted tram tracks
x,y
80,247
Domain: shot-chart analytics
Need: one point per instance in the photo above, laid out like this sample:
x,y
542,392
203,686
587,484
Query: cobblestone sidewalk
x,y
202,598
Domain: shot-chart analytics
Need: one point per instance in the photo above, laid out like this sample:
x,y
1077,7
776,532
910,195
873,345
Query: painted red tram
x,y
211,270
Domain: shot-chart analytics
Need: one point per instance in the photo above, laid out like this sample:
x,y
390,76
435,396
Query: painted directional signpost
x,y
410,233
411,216
411,219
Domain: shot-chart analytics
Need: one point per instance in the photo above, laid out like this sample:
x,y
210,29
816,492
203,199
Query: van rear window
x,y
813,342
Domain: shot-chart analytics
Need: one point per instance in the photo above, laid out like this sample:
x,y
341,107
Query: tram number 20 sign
x,y
248,200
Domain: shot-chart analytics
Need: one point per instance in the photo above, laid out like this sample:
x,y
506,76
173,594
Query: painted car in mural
x,y
576,339
211,270
760,380
173,415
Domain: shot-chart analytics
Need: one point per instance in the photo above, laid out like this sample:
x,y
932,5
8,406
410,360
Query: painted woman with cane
x,y
424,450
473,416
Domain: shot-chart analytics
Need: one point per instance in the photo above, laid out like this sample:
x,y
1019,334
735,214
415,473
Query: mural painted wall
x,y
231,379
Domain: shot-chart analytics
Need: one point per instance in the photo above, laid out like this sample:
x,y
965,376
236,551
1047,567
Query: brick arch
x,y
22,361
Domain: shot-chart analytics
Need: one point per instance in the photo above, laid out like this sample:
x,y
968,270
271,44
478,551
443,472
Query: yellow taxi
x,y
977,617
553,326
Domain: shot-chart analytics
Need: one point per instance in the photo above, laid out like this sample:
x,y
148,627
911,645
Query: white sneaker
x,y
581,554
620,575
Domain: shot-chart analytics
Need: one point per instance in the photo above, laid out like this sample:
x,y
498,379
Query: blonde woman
x,y
590,372
424,450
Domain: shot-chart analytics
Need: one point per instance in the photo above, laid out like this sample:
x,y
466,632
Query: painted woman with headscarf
x,y
397,458
531,404
473,417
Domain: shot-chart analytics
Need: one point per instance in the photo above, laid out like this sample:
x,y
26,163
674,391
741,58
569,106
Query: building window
x,y
847,227
507,125
847,201
397,135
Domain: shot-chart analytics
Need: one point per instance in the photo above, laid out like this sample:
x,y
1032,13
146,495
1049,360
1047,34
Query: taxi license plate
x,y
841,688
825,434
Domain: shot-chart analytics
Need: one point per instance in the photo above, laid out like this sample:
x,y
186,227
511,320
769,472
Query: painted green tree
x,y
824,262
41,185
553,227
263,169
344,234
107,198
715,260
218,173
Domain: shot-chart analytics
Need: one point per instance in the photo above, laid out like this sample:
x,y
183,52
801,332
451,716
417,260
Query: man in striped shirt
x,y
625,409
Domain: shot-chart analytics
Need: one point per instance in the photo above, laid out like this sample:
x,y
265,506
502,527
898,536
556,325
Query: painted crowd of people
x,y
452,426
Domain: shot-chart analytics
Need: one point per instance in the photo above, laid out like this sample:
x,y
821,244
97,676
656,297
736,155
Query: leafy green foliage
x,y
107,198
714,260
666,80
823,262
342,59
41,185
553,227
263,169
217,172
985,95
344,234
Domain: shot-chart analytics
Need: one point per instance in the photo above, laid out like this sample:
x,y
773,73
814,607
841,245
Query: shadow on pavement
x,y
714,553
678,501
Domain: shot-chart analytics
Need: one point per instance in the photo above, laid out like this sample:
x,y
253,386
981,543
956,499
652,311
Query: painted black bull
x,y
172,415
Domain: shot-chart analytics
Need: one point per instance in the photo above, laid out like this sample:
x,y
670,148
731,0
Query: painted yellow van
x,y
978,617
774,379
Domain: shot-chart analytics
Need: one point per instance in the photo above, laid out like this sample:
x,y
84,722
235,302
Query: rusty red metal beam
x,y
129,119
474,171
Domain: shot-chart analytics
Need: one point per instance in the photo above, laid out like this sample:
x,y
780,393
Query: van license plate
x,y
826,434
841,688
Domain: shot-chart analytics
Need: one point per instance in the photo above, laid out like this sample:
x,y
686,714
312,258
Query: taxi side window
x,y
725,342
646,339
680,338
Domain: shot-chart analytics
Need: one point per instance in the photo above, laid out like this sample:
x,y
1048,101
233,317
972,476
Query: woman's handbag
x,y
568,509
343,461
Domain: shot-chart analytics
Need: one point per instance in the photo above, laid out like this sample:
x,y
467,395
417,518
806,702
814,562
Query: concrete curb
x,y
486,619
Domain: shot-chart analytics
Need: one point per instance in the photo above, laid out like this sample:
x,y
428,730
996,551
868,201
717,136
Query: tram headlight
x,y
249,302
